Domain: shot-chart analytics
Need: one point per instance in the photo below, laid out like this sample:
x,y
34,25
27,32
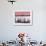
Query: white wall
x,y
9,31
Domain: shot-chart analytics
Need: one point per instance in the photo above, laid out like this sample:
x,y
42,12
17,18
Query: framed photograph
x,y
23,18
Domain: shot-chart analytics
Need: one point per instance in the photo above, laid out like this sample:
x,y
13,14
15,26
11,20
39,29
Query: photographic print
x,y
23,17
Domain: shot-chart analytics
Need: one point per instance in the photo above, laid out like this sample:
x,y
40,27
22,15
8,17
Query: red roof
x,y
22,13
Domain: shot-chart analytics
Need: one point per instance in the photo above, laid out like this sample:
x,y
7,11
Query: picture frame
x,y
24,18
